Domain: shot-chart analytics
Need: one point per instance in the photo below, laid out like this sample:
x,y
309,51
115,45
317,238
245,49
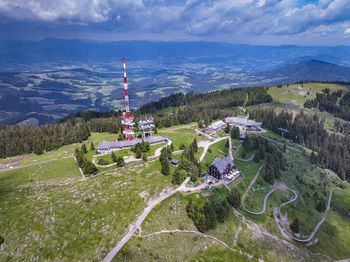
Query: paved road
x,y
134,226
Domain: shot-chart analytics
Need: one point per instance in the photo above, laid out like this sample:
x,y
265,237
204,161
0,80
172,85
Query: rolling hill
x,y
312,70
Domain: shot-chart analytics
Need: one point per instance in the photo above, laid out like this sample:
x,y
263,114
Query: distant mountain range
x,y
43,81
18,55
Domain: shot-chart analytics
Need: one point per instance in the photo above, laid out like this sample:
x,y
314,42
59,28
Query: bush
x,y
120,161
103,162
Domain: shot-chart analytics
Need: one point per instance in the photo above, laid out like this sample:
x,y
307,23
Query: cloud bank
x,y
197,18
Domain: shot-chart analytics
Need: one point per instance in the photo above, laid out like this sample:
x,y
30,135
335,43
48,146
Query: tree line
x,y
205,107
18,140
331,102
332,150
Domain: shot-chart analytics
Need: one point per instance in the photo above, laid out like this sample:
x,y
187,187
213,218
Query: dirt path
x,y
283,221
207,144
137,224
34,164
200,234
248,159
250,185
316,228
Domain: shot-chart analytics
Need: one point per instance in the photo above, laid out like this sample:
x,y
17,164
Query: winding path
x,y
248,159
280,223
318,225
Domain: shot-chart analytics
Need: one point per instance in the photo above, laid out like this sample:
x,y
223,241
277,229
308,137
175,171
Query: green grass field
x,y
218,149
48,212
180,136
298,94
65,151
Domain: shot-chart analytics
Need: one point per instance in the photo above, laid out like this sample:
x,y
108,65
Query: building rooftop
x,y
216,124
221,163
106,145
241,121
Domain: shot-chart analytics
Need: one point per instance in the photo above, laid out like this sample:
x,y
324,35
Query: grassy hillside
x,y
48,211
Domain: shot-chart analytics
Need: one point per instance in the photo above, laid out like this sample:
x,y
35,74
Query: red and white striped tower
x,y
127,119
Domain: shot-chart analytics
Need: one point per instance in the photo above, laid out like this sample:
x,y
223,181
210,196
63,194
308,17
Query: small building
x,y
221,167
107,147
240,121
217,125
175,162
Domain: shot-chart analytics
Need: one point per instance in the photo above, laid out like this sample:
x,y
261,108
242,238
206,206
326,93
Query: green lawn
x,y
181,136
218,149
297,94
65,151
48,212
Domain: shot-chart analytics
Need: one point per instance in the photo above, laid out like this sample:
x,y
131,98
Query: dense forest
x,y
333,151
331,102
205,107
17,140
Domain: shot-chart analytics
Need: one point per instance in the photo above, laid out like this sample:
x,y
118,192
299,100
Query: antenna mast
x,y
127,119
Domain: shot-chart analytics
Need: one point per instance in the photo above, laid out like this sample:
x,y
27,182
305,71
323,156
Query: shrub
x,y
103,162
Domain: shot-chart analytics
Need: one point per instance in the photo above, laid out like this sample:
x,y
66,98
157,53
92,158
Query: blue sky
x,y
267,22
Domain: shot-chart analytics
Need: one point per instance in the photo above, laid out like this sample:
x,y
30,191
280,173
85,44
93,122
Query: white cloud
x,y
194,17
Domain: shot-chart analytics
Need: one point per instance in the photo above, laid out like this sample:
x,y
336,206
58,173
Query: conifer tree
x,y
114,157
295,226
84,149
165,167
92,146
120,161
176,177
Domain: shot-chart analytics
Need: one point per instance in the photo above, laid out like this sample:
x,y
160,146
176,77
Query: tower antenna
x,y
127,119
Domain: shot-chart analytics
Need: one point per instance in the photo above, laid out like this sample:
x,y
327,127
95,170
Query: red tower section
x,y
127,119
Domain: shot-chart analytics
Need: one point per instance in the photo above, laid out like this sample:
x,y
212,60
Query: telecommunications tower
x,y
127,119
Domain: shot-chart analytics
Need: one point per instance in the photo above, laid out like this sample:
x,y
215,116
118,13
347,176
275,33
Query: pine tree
x,y
89,168
84,149
194,175
138,153
176,177
92,146
227,129
235,133
120,161
321,206
295,226
114,157
165,167
195,145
